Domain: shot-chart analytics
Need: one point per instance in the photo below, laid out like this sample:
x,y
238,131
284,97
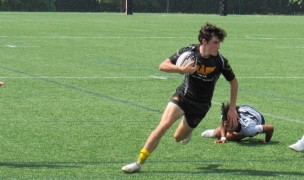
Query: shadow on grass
x,y
210,170
255,142
248,172
36,165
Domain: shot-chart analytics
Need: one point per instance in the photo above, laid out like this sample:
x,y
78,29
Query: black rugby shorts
x,y
194,111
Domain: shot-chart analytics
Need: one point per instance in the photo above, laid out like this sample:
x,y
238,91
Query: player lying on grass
x,y
192,99
250,123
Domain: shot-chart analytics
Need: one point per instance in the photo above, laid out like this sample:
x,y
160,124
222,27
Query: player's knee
x,y
178,137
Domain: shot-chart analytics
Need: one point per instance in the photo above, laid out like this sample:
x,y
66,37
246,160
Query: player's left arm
x,y
229,75
232,113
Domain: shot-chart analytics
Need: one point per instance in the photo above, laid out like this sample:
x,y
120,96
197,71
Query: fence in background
x,y
287,7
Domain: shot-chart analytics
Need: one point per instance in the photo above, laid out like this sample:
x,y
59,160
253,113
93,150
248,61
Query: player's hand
x,y
189,68
1,83
219,142
232,117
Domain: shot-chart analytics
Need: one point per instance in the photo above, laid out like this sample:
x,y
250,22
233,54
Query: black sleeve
x,y
179,52
227,70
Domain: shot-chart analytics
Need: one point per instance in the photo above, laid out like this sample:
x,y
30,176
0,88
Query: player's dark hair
x,y
225,109
209,30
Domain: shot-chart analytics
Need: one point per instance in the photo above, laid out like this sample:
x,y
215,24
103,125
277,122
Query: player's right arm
x,y
168,66
268,130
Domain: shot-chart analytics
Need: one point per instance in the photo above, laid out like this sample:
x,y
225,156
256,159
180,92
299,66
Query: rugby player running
x,y
192,98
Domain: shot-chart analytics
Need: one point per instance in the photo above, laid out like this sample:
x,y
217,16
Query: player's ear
x,y
203,41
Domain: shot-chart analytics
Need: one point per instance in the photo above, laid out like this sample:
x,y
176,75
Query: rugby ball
x,y
185,58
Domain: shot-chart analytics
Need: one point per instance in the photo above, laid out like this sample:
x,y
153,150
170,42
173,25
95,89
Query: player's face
x,y
213,46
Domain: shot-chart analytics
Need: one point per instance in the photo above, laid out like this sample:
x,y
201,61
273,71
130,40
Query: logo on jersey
x,y
202,69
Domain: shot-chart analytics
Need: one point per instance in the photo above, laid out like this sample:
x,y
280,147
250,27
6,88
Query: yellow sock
x,y
143,155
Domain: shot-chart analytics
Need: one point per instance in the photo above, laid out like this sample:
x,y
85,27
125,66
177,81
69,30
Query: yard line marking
x,y
11,46
271,95
283,118
97,37
85,91
247,37
135,77
271,77
159,77
269,38
89,77
100,95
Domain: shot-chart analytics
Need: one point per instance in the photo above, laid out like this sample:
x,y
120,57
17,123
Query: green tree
x,y
300,3
77,5
27,5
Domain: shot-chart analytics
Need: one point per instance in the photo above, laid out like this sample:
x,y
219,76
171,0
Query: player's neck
x,y
203,52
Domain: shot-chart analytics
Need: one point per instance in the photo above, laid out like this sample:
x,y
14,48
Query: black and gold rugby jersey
x,y
200,85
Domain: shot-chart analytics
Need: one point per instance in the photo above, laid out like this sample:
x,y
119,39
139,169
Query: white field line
x,y
147,77
283,118
88,77
96,37
134,77
11,46
144,37
159,77
268,38
272,77
272,115
14,46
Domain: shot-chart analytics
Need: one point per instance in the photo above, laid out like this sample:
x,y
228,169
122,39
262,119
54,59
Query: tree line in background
x,y
158,6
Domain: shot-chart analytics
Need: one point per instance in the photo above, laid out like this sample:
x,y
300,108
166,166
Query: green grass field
x,y
83,92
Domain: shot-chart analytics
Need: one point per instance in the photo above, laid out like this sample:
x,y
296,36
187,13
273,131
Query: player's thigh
x,y
171,114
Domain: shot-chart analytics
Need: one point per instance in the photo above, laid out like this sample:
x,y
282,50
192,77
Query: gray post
x,y
168,4
129,7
